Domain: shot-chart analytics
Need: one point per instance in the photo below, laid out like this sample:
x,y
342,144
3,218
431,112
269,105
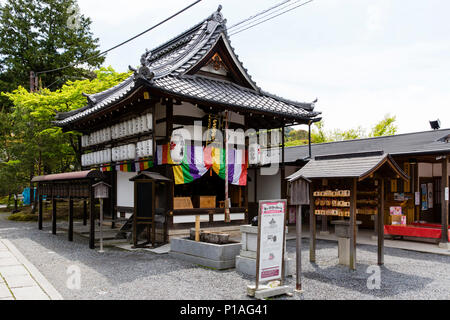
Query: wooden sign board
x,y
101,190
271,239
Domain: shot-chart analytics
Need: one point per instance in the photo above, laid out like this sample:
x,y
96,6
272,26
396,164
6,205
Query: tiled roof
x,y
396,145
228,93
351,166
170,64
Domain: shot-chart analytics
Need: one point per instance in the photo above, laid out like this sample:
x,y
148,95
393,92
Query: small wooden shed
x,y
153,195
337,181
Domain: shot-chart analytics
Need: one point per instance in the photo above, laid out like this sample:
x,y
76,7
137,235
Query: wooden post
x,y
113,198
324,225
70,235
134,232
101,225
283,167
53,215
353,225
299,248
380,224
416,189
445,201
40,211
312,226
197,228
153,235
92,218
84,212
227,196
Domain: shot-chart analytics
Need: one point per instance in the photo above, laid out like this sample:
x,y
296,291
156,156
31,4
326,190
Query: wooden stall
x,y
69,186
343,186
151,206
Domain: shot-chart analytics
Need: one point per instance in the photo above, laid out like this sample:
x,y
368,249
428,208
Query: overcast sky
x,y
361,58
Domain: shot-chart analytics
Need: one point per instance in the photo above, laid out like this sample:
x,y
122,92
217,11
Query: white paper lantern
x,y
149,117
108,134
113,132
177,151
131,154
130,127
254,153
115,154
108,155
149,148
144,126
121,130
123,152
137,125
139,152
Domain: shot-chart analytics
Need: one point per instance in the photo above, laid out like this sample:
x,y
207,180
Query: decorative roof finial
x,y
217,16
145,57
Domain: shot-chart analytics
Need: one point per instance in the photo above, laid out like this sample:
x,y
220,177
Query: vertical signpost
x,y
101,191
270,247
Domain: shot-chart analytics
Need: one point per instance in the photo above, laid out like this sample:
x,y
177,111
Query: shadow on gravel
x,y
116,265
392,283
395,252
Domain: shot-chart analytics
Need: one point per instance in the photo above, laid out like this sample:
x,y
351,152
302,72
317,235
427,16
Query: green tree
x,y
35,146
39,35
385,127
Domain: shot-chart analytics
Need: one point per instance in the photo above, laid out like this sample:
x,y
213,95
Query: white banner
x,y
272,217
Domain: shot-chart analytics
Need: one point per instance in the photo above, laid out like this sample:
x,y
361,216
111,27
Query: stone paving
x,y
19,279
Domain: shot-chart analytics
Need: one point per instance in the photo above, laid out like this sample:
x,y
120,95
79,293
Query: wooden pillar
x,y
416,188
153,235
283,167
113,198
312,226
70,235
134,232
353,225
324,225
53,215
380,223
92,218
84,212
40,211
299,247
445,200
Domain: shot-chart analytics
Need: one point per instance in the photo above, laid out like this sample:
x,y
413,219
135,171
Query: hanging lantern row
x,y
126,152
127,128
262,156
97,157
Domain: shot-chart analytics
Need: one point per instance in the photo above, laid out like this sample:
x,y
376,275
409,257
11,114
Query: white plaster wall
x,y
437,169
269,187
425,170
125,189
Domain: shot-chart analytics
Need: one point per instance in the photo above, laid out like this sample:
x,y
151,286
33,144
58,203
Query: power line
x,y
258,14
122,43
269,12
254,25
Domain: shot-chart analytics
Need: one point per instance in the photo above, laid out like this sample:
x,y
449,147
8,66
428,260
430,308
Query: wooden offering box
x,y
182,203
206,202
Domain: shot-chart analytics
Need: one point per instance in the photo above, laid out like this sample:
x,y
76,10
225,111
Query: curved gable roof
x,y
176,59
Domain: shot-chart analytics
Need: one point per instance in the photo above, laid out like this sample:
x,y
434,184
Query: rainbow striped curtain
x,y
199,160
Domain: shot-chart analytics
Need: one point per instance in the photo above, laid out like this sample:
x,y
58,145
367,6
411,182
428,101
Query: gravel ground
x,y
118,274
